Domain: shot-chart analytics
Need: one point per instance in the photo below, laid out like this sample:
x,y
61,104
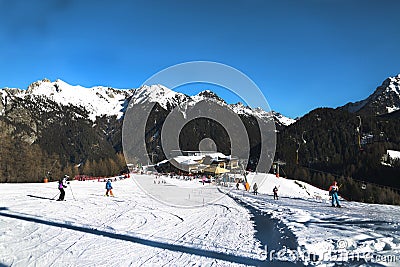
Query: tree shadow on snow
x,y
157,244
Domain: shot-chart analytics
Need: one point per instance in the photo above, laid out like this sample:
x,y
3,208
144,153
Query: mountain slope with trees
x,y
348,144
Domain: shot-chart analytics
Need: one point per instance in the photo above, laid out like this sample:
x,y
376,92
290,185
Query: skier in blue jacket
x,y
109,188
333,191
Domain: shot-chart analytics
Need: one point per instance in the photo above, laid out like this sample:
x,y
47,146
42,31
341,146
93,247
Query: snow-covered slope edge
x,y
355,234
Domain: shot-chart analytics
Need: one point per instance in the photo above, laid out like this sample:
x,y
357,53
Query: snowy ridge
x,y
100,100
169,99
286,121
388,94
239,108
97,100
385,99
158,94
208,95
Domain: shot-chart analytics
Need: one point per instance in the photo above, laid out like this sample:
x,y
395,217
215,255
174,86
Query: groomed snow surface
x,y
130,229
238,229
357,234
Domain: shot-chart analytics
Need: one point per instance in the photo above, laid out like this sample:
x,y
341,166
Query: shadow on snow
x,y
172,247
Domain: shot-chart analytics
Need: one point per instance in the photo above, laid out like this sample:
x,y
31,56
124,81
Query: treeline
x,y
23,161
350,189
324,146
104,167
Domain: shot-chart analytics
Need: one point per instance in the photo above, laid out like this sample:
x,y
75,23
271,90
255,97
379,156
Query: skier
x,y
275,190
109,188
237,185
61,186
333,191
255,188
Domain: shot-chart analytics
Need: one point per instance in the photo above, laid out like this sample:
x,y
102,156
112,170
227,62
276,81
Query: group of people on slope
x,y
333,192
275,191
255,190
62,183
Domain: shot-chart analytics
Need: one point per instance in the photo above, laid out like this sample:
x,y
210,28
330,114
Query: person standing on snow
x,y
109,188
61,186
275,190
333,191
255,188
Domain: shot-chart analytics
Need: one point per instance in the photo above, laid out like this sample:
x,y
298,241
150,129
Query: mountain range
x,y
106,101
78,125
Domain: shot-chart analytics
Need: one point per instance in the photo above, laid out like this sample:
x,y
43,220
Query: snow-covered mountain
x,y
385,99
69,120
100,100
158,94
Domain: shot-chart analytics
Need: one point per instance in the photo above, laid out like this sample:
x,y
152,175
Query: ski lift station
x,y
195,162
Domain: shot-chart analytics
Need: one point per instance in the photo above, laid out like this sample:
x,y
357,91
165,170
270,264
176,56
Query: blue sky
x,y
301,54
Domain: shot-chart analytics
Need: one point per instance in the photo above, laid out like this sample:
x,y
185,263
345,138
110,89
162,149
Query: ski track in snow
x,y
133,229
335,234
224,227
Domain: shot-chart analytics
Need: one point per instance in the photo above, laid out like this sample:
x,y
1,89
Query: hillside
x,y
349,144
328,148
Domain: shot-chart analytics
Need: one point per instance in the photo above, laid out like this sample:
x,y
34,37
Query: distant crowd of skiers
x,y
333,190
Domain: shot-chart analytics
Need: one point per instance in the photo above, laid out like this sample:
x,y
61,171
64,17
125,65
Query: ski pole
x,y
55,195
70,187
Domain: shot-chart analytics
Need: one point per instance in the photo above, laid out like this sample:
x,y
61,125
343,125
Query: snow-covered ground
x,y
134,229
393,154
287,188
130,229
356,234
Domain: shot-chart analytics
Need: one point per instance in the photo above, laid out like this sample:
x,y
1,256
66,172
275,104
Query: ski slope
x,y
287,188
357,234
131,229
238,229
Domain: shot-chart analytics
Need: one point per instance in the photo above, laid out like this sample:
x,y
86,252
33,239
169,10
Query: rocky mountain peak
x,y
384,100
210,95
